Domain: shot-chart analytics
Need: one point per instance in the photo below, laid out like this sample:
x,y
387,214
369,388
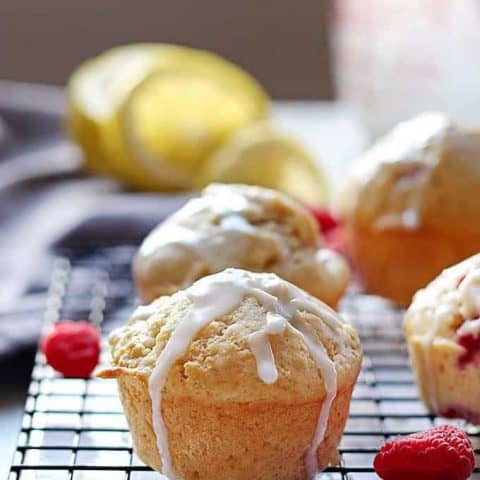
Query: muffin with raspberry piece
x,y
240,226
442,327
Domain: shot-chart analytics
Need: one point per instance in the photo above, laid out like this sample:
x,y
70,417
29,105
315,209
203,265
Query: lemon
x,y
177,116
80,123
95,91
258,155
151,113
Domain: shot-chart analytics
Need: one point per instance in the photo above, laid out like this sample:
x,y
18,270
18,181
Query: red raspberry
x,y
457,411
471,343
331,228
441,453
326,220
72,348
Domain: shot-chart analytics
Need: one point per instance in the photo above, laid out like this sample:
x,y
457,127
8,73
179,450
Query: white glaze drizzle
x,y
231,231
469,290
408,219
472,327
217,295
263,353
329,376
262,349
170,233
276,324
414,144
237,223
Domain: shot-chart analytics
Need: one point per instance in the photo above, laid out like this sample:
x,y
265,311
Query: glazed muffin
x,y
410,204
242,376
239,226
442,327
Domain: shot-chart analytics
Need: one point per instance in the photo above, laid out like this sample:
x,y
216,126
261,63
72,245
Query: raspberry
x,y
471,343
72,348
326,220
441,453
330,227
461,412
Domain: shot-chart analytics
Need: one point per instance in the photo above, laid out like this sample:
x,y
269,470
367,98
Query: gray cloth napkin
x,y
57,216
48,207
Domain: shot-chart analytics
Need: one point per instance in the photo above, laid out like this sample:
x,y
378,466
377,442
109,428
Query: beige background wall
x,y
282,42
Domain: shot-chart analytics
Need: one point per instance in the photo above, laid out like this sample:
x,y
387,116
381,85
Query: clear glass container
x,y
397,58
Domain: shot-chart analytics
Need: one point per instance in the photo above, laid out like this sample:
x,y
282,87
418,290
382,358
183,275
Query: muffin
x,y
239,226
242,376
409,205
442,327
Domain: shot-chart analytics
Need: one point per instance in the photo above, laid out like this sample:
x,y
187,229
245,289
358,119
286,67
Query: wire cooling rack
x,y
75,429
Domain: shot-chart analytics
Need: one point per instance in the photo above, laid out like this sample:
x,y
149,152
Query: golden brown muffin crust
x,y
216,414
219,361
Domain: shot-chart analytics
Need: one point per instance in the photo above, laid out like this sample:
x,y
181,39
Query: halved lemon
x,y
151,113
177,116
95,90
258,155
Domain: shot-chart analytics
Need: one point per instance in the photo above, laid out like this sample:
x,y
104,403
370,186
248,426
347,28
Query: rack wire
x,y
74,429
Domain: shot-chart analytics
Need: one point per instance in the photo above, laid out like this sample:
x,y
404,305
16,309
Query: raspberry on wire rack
x,y
72,348
441,453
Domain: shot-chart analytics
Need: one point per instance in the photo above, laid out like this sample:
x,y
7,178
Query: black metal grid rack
x,y
75,429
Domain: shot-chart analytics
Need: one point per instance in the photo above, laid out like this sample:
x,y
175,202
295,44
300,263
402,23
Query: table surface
x,y
328,130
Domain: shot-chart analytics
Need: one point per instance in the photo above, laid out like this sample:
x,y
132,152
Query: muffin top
x,y
449,307
239,336
237,226
425,173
